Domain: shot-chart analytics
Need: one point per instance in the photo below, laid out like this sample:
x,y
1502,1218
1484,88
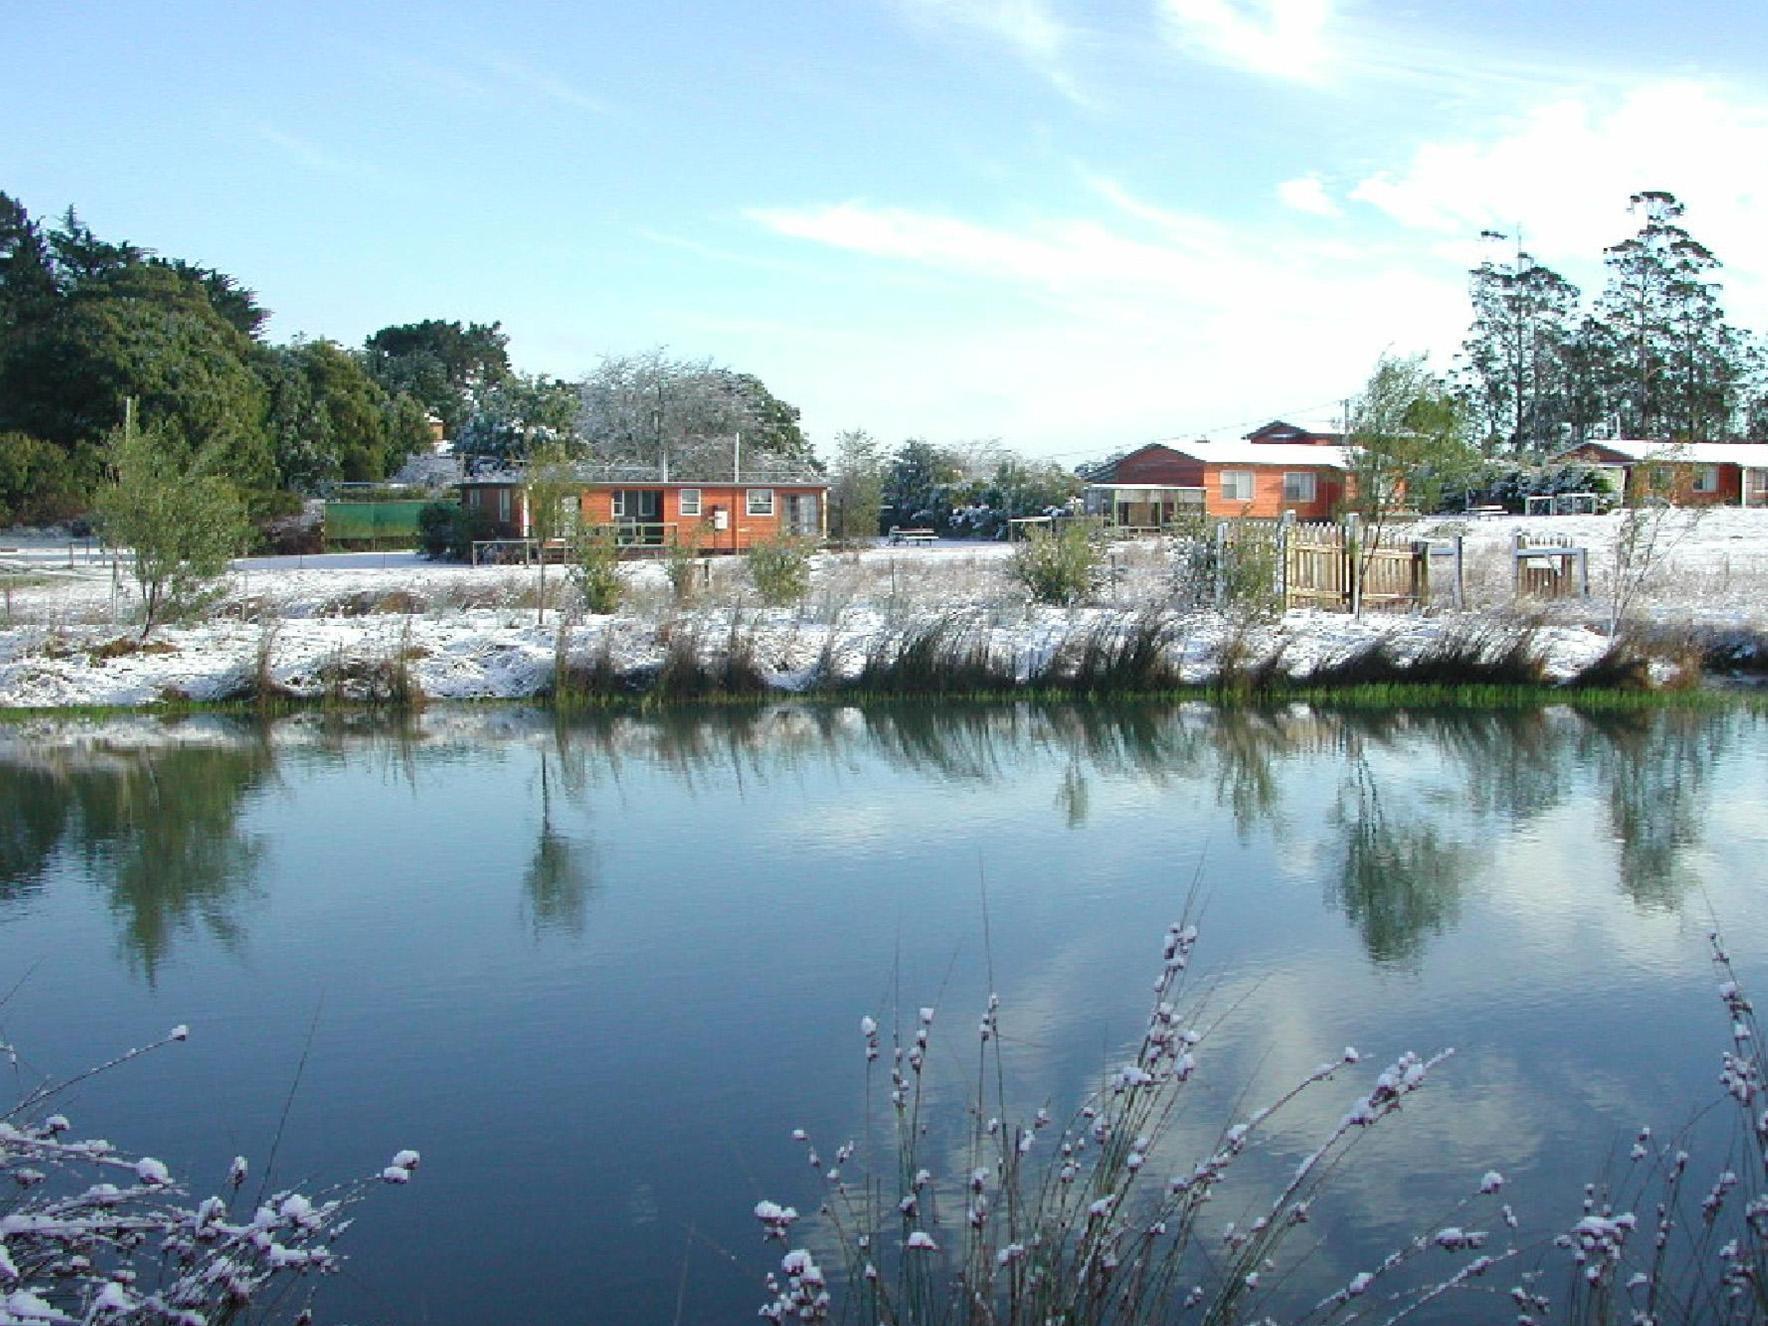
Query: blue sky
x,y
1074,227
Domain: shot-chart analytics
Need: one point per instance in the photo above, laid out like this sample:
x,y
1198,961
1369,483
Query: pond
x,y
598,970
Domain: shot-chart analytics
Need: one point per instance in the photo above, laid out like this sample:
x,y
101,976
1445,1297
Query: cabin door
x,y
801,515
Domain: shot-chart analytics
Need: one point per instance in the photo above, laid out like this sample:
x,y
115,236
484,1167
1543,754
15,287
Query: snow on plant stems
x,y
1079,1222
89,1233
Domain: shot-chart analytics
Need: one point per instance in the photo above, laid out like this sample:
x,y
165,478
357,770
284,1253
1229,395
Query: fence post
x,y
1221,564
1516,565
1285,528
1459,596
1353,552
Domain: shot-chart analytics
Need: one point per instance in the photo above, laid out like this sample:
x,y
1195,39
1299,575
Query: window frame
x,y
752,507
683,497
1706,479
1307,480
1250,482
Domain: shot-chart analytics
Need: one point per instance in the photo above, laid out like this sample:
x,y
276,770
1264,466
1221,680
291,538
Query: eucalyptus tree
x,y
1673,364
1517,358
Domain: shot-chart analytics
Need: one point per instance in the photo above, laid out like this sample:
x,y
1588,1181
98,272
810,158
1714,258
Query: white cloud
x,y
1029,28
1307,193
1279,38
1086,332
1564,170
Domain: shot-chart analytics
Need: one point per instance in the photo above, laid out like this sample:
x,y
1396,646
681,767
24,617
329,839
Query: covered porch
x,y
1142,506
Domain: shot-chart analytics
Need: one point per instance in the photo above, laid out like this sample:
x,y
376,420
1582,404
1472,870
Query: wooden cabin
x,y
712,499
1277,469
1682,473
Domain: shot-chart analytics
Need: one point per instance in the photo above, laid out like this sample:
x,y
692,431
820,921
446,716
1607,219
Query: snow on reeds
x,y
981,1214
92,1234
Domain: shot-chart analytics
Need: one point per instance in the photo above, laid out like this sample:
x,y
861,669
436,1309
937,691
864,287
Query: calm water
x,y
596,973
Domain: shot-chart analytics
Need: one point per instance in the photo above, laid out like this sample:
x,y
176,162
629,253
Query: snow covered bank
x,y
348,625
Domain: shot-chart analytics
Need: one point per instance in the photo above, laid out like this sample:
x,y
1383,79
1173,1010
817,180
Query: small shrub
x,y
780,570
595,570
1060,567
447,530
683,569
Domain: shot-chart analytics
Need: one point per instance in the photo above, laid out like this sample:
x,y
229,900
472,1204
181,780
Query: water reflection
x,y
1401,877
155,828
560,873
1391,806
1655,775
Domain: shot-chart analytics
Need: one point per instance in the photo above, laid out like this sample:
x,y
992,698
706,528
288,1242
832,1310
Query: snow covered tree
x,y
648,407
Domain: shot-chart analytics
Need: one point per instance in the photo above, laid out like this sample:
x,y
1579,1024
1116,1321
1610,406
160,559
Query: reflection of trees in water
x,y
1516,764
1655,767
156,829
560,875
1400,878
33,818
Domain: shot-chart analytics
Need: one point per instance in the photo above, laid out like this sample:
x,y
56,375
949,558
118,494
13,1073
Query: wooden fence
x,y
1549,566
1331,566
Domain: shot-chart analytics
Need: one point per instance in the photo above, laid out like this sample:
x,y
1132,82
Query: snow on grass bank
x,y
345,625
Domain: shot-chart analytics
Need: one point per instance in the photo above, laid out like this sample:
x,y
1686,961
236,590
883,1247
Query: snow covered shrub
x,y
89,1233
1060,566
780,570
595,569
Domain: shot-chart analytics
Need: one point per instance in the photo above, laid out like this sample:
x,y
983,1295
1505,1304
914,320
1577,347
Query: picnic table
x,y
900,535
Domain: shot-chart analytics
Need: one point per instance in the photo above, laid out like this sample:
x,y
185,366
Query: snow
x,y
335,623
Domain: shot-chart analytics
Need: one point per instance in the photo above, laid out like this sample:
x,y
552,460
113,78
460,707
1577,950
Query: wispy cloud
x,y
1277,38
1029,28
492,78
309,153
1143,318
547,85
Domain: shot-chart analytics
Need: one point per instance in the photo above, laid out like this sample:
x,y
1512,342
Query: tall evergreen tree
x,y
1517,369
1673,364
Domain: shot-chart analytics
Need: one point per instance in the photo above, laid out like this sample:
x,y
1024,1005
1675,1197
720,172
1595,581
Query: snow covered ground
x,y
333,624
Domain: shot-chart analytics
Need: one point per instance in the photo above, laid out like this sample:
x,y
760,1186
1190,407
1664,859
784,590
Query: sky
x,y
1070,227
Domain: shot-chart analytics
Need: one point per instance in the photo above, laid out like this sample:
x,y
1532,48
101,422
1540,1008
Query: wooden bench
x,y
901,535
1481,512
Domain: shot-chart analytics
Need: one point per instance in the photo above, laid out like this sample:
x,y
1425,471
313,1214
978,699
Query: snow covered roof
x,y
1752,454
1294,455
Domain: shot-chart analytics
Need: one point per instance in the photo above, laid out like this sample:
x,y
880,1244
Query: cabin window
x,y
1236,485
503,505
473,496
758,501
1299,486
690,502
1706,479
